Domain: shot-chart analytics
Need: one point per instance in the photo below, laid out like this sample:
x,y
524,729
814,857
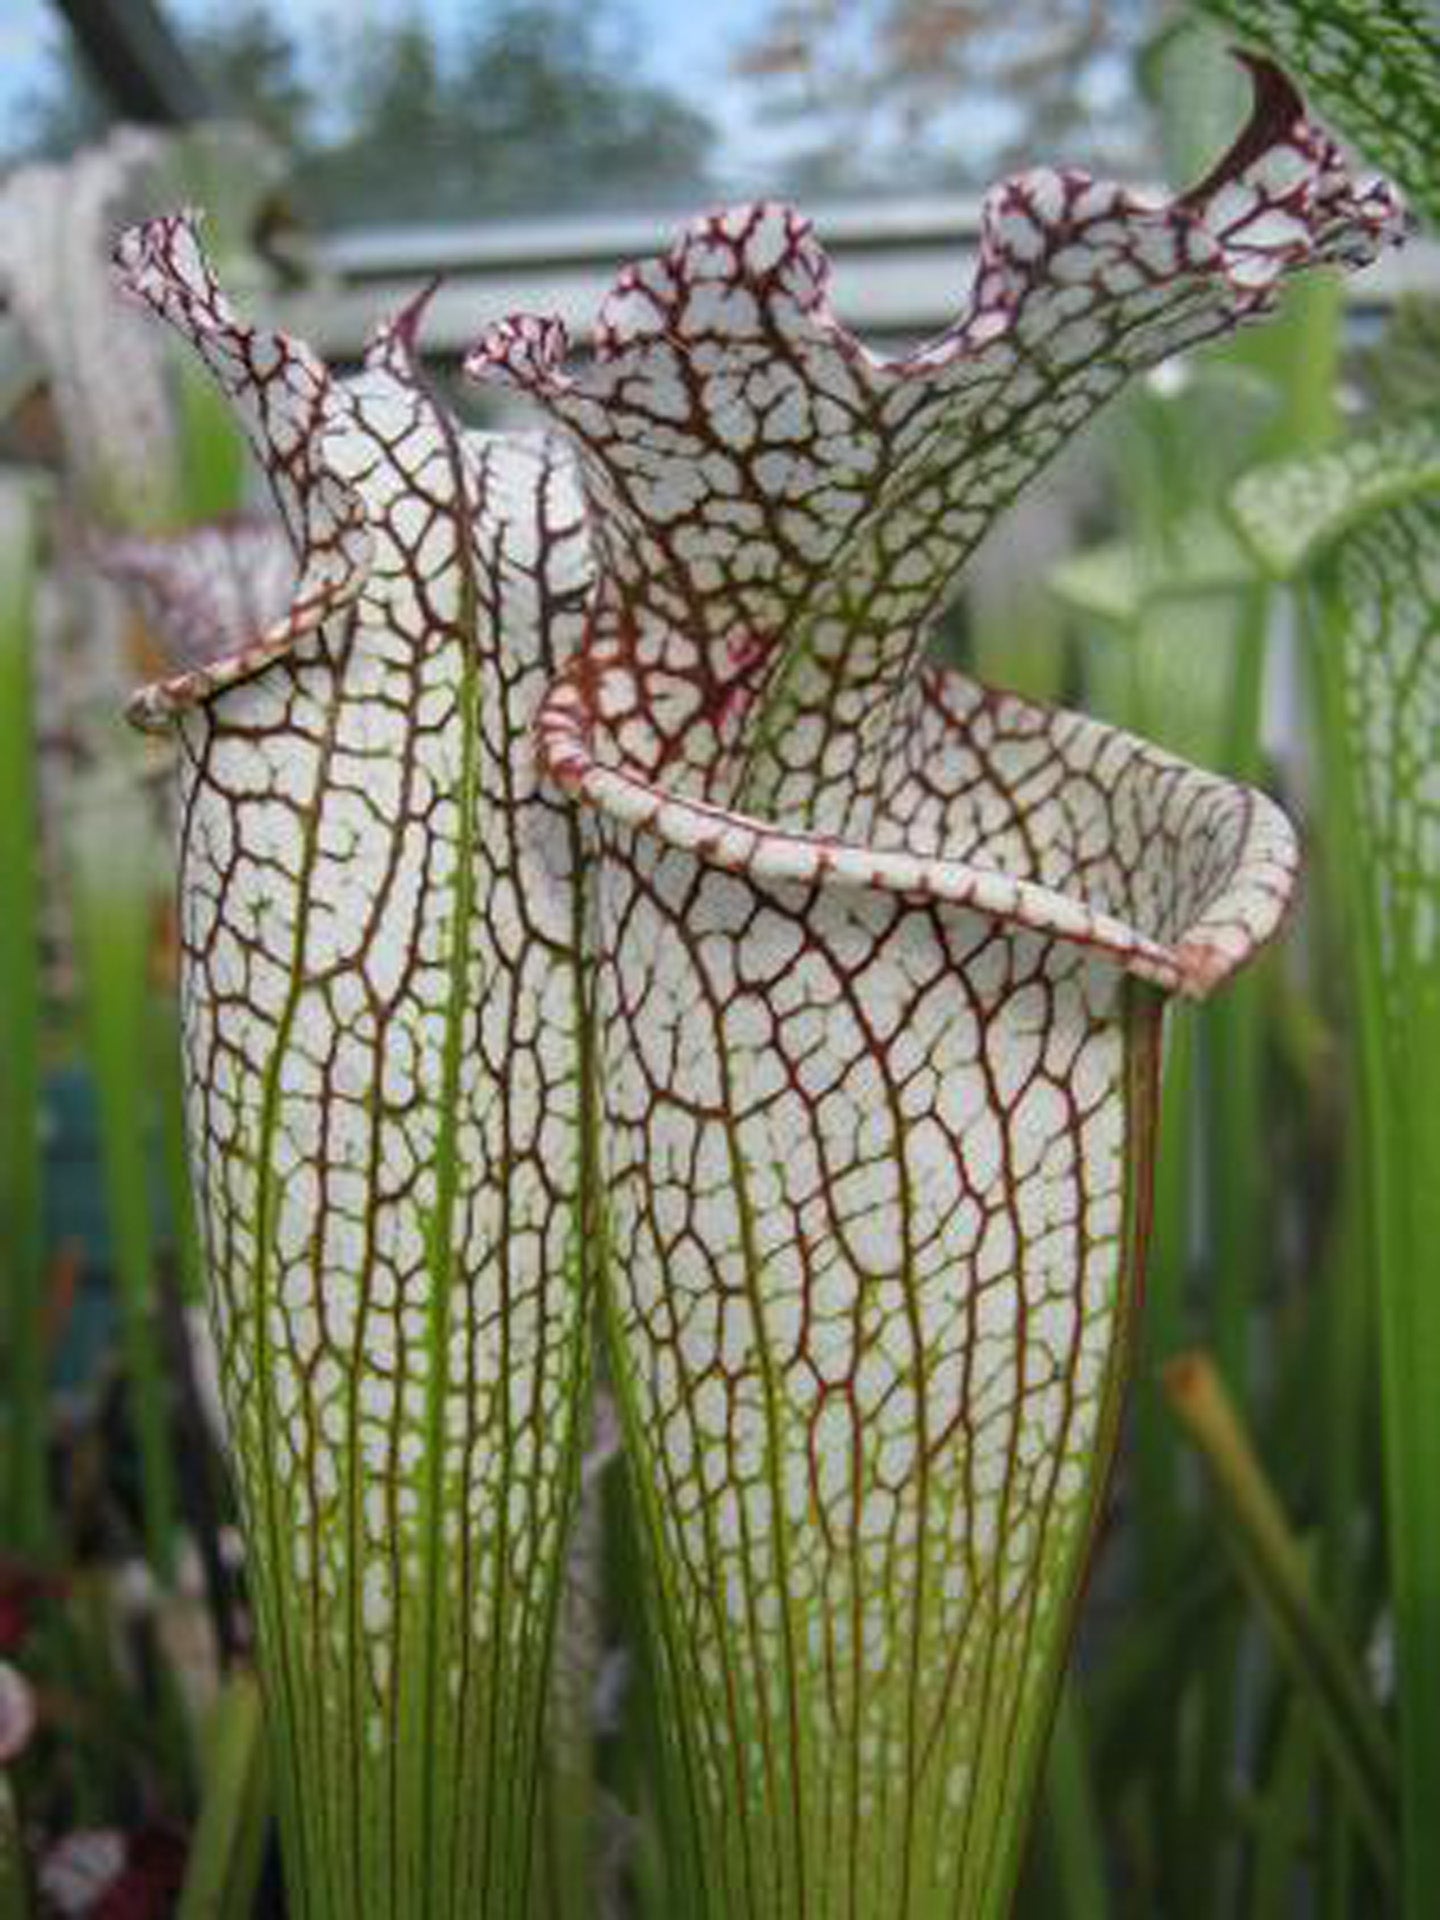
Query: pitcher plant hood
x,y
779,515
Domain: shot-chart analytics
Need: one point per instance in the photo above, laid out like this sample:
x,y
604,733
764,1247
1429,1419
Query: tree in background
x,y
540,107
535,109
952,92
553,87
252,63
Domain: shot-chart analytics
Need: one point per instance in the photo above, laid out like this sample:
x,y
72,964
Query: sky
x,y
25,30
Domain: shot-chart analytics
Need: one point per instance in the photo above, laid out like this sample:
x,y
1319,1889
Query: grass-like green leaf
x,y
114,895
1074,1827
22,1343
1309,1642
222,1869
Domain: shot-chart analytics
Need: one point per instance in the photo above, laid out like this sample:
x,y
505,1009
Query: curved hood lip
x,y
298,411
1241,917
331,581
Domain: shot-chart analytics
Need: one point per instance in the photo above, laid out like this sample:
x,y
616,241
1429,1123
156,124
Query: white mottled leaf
x,y
1291,511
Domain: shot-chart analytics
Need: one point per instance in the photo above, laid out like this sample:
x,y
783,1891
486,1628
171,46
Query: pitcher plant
x,y
590,897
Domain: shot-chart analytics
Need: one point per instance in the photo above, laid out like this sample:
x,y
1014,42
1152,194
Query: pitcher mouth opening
x,y
1237,915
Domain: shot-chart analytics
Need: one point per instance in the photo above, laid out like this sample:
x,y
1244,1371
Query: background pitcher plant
x,y
807,995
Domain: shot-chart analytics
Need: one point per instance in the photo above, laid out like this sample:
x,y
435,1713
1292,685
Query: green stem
x,y
112,924
1237,1172
1234,1042
1158,1503
1348,1359
1074,1823
227,1852
1306,1638
21,1259
1160,1512
1284,1814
